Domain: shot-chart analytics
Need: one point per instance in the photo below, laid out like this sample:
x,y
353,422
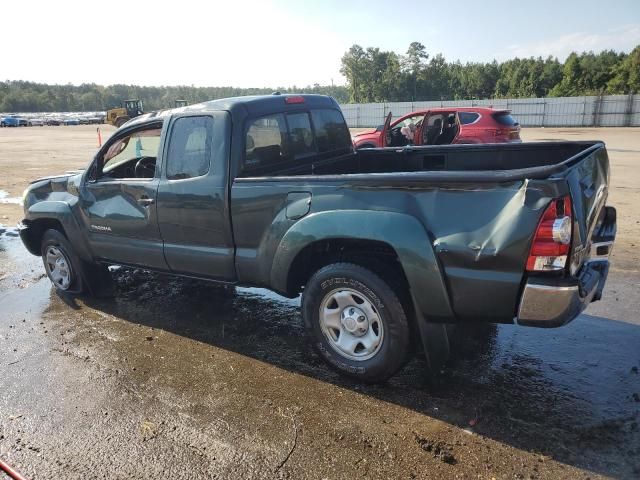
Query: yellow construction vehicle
x,y
119,116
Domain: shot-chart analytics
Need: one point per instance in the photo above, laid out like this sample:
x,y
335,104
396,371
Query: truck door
x,y
419,135
193,214
118,200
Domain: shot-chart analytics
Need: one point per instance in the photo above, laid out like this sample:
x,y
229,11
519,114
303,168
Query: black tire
x,y
85,277
394,349
53,241
121,121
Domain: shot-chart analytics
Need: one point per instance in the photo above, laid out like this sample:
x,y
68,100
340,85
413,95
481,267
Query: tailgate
x,y
588,182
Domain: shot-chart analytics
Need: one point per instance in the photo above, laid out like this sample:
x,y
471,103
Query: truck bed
x,y
478,204
478,163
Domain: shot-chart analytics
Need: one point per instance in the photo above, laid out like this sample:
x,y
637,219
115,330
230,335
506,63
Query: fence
x,y
600,111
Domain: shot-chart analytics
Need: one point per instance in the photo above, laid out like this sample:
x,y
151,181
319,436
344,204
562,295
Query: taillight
x,y
552,239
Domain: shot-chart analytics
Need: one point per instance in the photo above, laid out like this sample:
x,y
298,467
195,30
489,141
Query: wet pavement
x,y
175,378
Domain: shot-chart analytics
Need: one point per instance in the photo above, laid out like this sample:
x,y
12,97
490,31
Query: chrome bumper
x,y
552,302
555,302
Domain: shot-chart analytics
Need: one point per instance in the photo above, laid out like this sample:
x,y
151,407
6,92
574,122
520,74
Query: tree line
x,y
22,96
373,75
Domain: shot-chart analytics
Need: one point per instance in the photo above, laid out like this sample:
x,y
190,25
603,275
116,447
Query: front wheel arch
x,y
32,236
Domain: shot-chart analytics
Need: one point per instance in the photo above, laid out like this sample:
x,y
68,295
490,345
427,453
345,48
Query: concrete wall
x,y
601,111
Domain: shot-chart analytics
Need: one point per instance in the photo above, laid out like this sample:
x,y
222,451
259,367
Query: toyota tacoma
x,y
387,246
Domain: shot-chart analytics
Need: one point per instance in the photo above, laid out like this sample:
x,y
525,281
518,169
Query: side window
x,y
415,120
468,117
134,155
265,142
189,147
331,130
300,135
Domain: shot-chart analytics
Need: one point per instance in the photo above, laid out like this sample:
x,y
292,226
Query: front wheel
x,y
356,322
62,266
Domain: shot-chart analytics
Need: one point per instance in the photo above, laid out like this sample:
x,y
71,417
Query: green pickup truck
x,y
387,246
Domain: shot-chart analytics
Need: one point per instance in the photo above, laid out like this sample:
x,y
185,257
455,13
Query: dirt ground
x,y
175,378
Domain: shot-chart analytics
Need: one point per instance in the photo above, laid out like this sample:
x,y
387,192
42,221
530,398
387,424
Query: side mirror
x,y
379,128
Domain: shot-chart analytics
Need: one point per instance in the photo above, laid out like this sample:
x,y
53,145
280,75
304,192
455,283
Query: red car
x,y
443,126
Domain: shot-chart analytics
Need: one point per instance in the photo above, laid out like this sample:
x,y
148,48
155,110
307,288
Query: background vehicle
x,y
119,116
443,126
36,122
13,121
386,245
71,121
181,103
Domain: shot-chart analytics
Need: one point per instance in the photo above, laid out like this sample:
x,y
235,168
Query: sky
x,y
282,43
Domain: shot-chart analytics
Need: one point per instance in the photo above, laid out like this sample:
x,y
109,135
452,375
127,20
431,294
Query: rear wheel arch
x,y
379,257
403,234
375,256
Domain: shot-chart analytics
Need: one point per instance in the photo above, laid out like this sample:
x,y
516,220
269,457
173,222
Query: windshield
x,y
144,143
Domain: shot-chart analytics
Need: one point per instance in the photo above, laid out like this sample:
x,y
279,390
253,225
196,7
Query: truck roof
x,y
251,105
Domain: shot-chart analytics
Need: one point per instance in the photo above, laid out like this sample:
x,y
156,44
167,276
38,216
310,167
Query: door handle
x,y
145,201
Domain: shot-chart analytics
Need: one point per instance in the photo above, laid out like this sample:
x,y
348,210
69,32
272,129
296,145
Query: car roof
x,y
459,109
252,105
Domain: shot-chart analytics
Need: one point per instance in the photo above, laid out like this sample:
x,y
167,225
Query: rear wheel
x,y
356,322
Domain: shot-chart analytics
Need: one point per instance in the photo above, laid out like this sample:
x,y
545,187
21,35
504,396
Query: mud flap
x,y
435,341
97,279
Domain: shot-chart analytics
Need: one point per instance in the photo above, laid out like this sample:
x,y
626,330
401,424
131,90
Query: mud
x,y
183,379
174,378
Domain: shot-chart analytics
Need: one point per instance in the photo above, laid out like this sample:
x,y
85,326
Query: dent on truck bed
x,y
462,259
482,245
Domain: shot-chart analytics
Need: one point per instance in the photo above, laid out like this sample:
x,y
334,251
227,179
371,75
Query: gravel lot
x,y
175,378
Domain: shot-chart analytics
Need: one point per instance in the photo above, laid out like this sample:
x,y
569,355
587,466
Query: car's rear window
x,y
279,142
505,119
468,117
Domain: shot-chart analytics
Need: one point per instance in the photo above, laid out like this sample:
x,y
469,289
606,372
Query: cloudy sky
x,y
283,43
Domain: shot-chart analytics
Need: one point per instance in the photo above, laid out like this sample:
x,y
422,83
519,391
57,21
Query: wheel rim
x,y
58,267
351,324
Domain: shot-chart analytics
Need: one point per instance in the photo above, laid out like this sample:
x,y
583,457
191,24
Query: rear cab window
x,y
290,142
332,134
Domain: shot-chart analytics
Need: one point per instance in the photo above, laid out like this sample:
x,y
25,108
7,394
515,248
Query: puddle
x,y
571,393
5,198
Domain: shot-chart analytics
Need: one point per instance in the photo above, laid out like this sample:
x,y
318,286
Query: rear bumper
x,y
553,302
